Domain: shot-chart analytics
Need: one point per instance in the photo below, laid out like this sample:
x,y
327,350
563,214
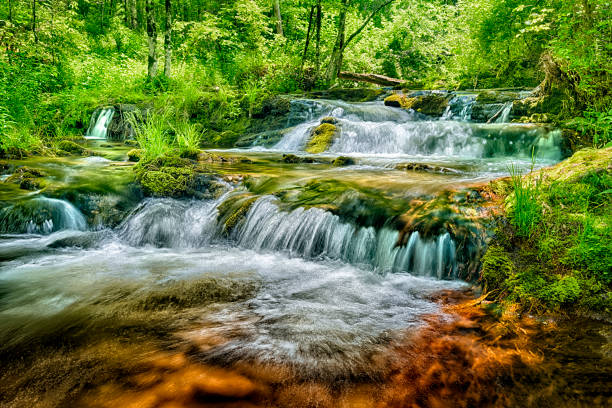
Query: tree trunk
x,y
335,62
102,16
381,80
34,20
133,14
10,7
279,19
152,35
168,39
307,38
318,48
126,20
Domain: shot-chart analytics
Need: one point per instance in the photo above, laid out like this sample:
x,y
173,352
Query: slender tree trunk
x,y
102,16
168,39
133,14
34,20
318,47
312,9
126,20
10,7
279,19
152,35
335,62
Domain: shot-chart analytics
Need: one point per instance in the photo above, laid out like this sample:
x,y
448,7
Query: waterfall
x,y
98,125
41,215
460,108
303,233
504,117
314,233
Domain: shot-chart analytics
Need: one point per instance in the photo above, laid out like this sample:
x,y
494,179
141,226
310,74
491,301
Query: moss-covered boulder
x,y
167,176
424,167
431,104
168,182
496,268
321,138
293,159
73,148
28,178
135,155
330,120
232,212
342,161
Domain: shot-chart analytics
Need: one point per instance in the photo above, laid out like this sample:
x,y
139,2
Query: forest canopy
x,y
59,59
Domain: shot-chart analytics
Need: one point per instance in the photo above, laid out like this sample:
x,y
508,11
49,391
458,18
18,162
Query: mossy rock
x,y
134,155
432,104
28,178
321,138
168,182
583,162
191,154
166,176
293,159
496,268
73,148
342,161
131,143
232,212
423,167
330,120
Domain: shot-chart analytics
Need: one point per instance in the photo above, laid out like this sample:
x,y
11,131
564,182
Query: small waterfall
x,y
41,215
100,120
504,117
171,223
314,233
460,108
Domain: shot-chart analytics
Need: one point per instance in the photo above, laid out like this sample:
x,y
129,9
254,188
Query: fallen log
x,y
371,78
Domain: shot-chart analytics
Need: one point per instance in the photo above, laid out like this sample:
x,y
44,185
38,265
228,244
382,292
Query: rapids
x,y
298,276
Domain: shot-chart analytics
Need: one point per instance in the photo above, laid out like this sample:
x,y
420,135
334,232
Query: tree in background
x,y
152,36
168,39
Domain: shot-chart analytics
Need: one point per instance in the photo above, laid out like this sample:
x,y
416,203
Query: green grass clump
x,y
524,208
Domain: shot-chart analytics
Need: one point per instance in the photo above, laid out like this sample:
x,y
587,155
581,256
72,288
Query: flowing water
x,y
98,126
301,286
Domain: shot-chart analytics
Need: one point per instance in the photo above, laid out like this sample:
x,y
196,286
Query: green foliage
x,y
152,134
565,261
524,209
496,268
596,125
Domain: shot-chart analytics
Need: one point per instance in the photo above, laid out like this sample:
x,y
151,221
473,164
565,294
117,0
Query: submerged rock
x,y
293,159
424,168
74,148
28,178
342,161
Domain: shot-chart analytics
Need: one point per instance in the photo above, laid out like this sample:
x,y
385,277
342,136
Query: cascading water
x,y
371,130
504,116
315,233
41,215
100,120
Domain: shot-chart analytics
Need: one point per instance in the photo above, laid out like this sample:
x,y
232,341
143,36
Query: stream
x,y
109,299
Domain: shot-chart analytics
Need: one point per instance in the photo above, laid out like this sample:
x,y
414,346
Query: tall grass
x,y
188,136
525,209
152,134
